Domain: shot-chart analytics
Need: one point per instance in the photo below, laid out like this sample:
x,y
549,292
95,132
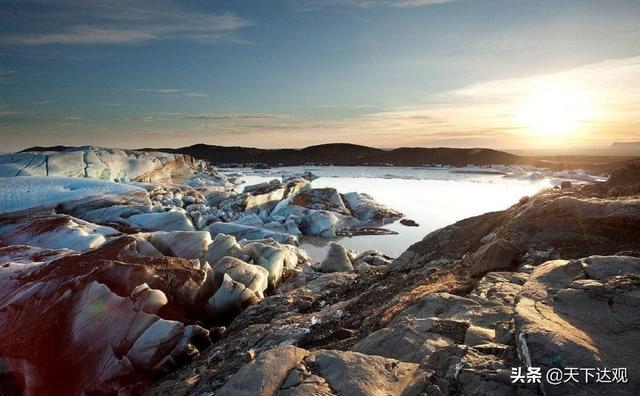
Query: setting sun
x,y
555,111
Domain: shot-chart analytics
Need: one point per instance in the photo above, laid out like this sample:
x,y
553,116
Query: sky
x,y
284,73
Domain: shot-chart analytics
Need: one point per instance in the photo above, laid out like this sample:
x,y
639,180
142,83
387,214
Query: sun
x,y
554,111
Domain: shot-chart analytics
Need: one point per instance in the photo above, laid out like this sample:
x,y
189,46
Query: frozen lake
x,y
433,197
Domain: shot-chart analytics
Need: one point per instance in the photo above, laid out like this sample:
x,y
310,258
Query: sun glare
x,y
554,111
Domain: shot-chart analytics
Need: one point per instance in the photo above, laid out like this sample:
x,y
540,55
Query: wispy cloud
x,y
233,116
483,114
309,5
115,22
169,91
204,117
5,75
5,110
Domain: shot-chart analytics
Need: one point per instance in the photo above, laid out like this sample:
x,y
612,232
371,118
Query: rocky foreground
x,y
107,286
189,287
551,283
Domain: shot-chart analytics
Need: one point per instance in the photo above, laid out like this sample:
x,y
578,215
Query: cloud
x,y
5,110
32,23
482,114
310,5
169,91
233,116
5,75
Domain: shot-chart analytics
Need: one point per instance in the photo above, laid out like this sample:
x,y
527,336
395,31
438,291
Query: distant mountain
x,y
347,154
352,154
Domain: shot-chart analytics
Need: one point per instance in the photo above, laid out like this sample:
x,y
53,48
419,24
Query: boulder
x,y
253,277
230,298
321,199
171,220
337,259
222,245
252,233
264,375
409,223
325,224
365,208
352,373
493,256
185,244
270,258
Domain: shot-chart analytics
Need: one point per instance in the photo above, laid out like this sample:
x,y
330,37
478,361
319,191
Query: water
x,y
432,197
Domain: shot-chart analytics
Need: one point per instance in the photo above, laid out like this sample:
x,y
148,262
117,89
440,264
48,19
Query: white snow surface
x,y
23,192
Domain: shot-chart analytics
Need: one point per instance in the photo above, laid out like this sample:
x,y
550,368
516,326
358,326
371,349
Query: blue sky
x,y
280,73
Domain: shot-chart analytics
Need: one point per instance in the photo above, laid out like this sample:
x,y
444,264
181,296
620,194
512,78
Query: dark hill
x,y
352,154
348,154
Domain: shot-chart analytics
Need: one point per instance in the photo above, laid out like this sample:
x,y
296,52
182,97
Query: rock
x,y
355,231
185,244
252,233
366,209
322,212
207,180
493,256
54,232
216,197
325,224
357,374
572,315
327,199
264,375
565,184
222,245
409,223
148,299
269,257
253,277
337,260
301,381
264,197
371,257
230,298
411,340
104,341
172,220
24,254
